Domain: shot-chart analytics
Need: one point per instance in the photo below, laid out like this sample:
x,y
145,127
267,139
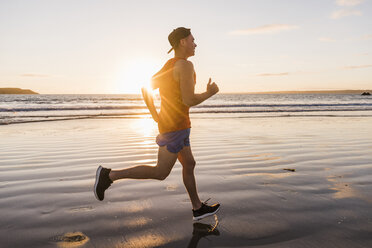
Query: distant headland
x,y
16,91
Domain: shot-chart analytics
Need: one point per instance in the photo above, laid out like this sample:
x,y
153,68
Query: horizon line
x,y
247,92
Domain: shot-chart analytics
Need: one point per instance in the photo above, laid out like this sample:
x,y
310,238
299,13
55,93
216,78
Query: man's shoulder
x,y
184,65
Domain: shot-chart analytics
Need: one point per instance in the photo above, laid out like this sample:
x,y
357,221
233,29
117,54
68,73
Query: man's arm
x,y
155,83
149,100
185,73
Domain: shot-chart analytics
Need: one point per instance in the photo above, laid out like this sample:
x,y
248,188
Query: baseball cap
x,y
176,35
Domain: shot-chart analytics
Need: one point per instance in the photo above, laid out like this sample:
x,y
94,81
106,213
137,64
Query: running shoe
x,y
205,210
103,181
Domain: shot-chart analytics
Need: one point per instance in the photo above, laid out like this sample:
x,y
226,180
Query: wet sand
x,y
47,173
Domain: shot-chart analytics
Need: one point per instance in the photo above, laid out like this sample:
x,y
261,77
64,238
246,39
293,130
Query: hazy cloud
x,y
348,2
361,54
367,37
273,74
266,29
345,12
33,75
326,39
245,65
357,67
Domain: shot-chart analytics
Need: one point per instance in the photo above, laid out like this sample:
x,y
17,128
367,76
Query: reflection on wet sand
x,y
263,174
149,239
263,157
253,157
137,206
201,230
345,189
160,237
137,222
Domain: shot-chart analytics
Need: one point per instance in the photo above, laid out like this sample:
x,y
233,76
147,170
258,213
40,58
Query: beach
x,y
281,182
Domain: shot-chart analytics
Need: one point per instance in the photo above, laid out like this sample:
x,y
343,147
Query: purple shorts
x,y
174,141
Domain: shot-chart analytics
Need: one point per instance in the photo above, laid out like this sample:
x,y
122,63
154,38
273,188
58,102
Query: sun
x,y
135,74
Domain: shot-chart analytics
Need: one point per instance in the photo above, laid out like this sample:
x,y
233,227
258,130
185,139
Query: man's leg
x,y
166,160
188,164
105,176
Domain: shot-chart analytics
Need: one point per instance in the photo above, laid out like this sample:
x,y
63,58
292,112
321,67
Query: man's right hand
x,y
212,88
184,70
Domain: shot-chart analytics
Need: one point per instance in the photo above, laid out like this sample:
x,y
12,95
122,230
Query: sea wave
x,y
285,105
27,108
29,119
69,108
221,107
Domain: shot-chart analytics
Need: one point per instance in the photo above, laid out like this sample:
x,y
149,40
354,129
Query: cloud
x,y
349,2
33,75
367,37
345,12
357,67
361,54
326,39
266,29
273,74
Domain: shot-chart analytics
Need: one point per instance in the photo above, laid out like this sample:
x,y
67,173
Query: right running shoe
x,y
103,181
205,211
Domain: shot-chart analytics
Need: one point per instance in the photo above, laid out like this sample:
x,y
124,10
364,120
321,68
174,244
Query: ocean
x,y
43,107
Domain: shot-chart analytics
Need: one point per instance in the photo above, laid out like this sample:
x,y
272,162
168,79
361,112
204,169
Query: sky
x,y
115,46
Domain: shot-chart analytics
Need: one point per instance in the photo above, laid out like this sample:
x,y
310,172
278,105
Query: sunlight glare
x,y
147,128
134,75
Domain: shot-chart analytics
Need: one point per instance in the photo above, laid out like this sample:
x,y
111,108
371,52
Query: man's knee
x,y
161,174
190,166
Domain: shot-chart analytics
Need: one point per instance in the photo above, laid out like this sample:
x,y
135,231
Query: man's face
x,y
189,45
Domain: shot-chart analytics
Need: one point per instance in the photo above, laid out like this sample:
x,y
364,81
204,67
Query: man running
x,y
176,83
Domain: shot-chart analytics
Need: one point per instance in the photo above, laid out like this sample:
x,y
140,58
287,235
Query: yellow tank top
x,y
174,114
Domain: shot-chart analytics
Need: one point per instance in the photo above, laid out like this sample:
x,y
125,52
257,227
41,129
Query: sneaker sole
x,y
96,183
206,215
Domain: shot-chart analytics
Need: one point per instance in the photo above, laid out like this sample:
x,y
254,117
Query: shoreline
x,y
199,115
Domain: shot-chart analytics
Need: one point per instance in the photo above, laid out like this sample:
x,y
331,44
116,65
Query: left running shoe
x,y
103,181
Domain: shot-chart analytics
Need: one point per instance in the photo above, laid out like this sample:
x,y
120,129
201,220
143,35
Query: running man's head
x,y
182,42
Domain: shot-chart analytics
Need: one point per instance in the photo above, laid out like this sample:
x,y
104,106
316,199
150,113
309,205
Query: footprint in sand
x,y
81,209
47,211
68,240
171,187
